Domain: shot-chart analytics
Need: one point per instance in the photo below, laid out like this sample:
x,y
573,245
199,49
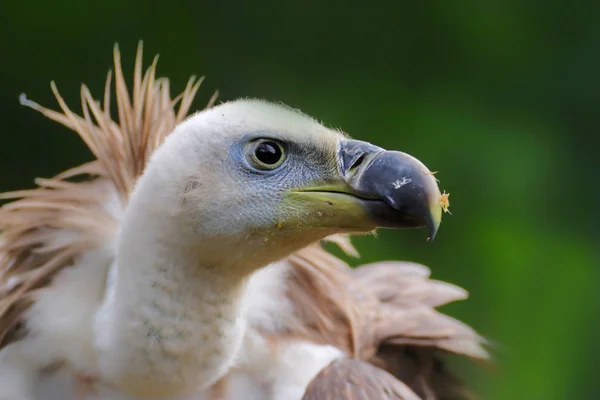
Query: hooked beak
x,y
407,192
390,189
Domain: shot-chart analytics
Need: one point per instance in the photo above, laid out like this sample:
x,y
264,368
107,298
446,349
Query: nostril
x,y
357,162
354,154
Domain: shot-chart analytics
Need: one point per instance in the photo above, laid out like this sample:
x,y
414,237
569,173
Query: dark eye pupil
x,y
268,153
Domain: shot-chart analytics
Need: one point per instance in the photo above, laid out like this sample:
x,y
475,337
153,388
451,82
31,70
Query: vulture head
x,y
248,182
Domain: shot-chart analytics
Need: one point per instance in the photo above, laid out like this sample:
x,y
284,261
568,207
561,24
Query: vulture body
x,y
185,261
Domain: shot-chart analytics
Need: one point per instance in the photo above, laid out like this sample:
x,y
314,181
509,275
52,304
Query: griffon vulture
x,y
185,261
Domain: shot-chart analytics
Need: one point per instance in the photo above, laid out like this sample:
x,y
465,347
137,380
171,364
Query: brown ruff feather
x,y
330,306
30,252
383,313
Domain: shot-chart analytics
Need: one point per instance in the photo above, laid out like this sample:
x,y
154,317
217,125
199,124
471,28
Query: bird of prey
x,y
187,260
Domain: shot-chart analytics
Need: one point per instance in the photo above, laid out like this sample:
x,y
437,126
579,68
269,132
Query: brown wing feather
x,y
31,248
356,380
423,369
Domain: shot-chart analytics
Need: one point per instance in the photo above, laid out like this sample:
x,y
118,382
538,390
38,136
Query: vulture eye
x,y
267,154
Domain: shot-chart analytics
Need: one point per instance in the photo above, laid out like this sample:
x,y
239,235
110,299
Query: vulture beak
x,y
388,189
406,193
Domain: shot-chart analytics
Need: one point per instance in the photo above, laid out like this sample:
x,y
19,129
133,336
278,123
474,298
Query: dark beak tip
x,y
431,237
432,232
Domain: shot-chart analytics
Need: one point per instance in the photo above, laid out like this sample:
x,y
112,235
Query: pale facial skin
x,y
288,181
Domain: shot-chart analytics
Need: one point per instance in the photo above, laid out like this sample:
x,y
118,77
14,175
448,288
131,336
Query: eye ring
x,y
266,154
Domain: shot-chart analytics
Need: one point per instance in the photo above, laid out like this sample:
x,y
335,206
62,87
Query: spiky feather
x,y
30,254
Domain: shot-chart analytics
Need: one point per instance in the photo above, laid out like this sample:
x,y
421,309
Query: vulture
x,y
188,260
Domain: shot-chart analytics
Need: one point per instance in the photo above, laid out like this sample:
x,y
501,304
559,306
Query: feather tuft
x,y
47,228
382,313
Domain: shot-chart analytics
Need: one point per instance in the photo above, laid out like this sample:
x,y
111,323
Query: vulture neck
x,y
173,320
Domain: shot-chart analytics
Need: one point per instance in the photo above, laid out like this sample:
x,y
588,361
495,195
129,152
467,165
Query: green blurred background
x,y
500,97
